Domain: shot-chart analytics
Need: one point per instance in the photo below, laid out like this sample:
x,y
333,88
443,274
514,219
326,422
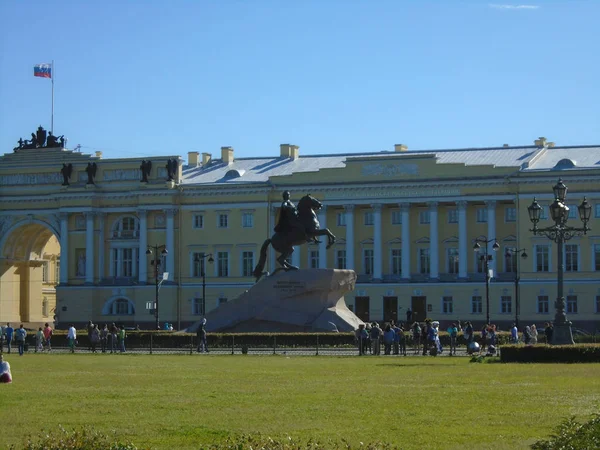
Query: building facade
x,y
74,248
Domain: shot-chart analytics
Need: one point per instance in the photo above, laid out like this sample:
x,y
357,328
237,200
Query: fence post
x,y
274,344
317,345
151,334
232,344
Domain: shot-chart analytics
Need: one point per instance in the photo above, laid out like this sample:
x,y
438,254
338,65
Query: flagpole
x,y
52,75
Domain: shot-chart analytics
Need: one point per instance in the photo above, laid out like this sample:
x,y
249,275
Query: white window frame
x,y
120,231
452,260
535,258
510,214
340,255
569,268
424,254
45,272
481,215
198,266
368,261
369,218
447,305
396,261
424,217
198,221
222,220
118,268
313,258
247,220
247,265
396,217
452,215
571,301
479,302
505,304
341,219
543,302
220,256
198,306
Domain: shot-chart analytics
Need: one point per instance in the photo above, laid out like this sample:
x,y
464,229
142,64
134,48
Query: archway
x,y
29,268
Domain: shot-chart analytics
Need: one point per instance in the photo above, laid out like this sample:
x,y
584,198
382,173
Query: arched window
x,y
126,227
118,306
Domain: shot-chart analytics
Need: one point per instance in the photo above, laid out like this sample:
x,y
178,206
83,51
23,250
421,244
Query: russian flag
x,y
42,70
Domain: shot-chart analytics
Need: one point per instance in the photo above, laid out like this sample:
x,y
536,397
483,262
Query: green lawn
x,y
182,401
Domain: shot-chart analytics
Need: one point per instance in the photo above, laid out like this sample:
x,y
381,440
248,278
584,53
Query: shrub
x,y
85,438
578,353
267,443
572,435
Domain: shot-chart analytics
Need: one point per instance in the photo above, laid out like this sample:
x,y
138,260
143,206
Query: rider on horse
x,y
288,218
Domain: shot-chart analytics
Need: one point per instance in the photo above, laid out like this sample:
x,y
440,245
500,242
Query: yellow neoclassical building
x,y
75,230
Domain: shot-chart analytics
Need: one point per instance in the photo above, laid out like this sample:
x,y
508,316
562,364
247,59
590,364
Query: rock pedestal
x,y
299,300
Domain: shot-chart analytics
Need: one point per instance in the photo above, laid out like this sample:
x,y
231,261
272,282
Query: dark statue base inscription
x,y
300,300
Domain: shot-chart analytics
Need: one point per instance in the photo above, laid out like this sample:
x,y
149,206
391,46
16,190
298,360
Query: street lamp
x,y
559,233
510,253
201,257
486,258
156,263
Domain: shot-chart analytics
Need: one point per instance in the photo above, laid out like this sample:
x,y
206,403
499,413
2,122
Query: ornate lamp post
x,y
201,257
486,258
559,233
510,252
156,263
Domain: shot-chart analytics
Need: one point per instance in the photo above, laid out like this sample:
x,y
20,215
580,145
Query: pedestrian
x,y
103,338
39,340
1,338
122,340
453,333
401,340
5,375
368,339
396,344
468,335
534,335
89,328
375,336
514,334
72,337
201,335
425,336
358,337
95,338
548,331
492,340
416,335
9,332
484,333
20,335
47,336
113,338
388,339
527,335
408,316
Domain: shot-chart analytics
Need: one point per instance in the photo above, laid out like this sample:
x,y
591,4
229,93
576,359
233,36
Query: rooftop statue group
x,y
41,139
296,226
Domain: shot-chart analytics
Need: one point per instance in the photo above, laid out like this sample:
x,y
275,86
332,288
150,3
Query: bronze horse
x,y
301,232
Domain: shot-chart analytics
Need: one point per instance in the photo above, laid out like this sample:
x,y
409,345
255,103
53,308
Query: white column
x,y
323,239
349,236
491,217
462,239
101,231
405,208
434,251
143,264
377,256
170,244
89,247
272,217
64,248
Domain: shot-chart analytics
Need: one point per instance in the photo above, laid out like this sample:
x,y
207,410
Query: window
x,y
572,213
447,305
476,304
45,278
510,261
544,212
247,264
571,257
368,261
596,256
122,262
396,217
222,264
57,271
247,220
506,304
480,262
424,217
198,221
424,261
340,259
597,210
313,259
453,215
543,304
396,261
571,304
198,264
452,260
121,307
510,214
482,215
369,217
198,307
542,258
341,219
222,221
126,228
597,304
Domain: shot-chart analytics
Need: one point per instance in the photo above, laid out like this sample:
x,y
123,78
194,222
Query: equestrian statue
x,y
296,226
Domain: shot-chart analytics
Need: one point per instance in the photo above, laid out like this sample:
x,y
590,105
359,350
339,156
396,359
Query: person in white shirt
x,y
72,336
5,376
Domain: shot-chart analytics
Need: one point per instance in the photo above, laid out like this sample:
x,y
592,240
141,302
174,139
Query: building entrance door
x,y
419,308
390,309
361,308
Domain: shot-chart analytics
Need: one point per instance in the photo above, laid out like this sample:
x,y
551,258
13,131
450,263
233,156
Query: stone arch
x,y
117,231
43,225
111,305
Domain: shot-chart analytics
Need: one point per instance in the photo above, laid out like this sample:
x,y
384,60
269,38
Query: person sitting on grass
x,y
5,375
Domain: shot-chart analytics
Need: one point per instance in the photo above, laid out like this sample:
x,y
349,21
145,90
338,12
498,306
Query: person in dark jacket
x,y
548,331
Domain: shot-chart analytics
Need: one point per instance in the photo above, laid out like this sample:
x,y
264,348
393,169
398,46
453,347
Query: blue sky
x,y
137,78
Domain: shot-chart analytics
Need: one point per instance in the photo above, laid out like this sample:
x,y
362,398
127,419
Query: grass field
x,y
182,401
